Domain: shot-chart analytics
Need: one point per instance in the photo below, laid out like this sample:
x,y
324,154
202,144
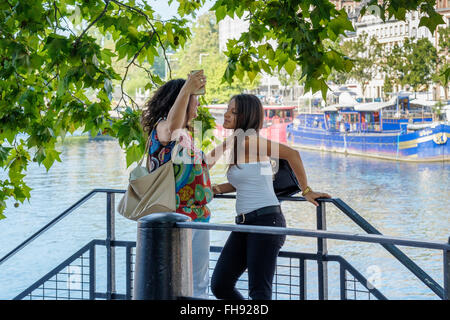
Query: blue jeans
x,y
200,262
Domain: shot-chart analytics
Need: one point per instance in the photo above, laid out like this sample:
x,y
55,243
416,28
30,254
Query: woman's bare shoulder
x,y
163,132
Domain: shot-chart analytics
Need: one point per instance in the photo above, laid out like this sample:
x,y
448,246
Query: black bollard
x,y
163,269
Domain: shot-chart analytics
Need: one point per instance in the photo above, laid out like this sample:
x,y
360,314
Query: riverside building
x,y
388,33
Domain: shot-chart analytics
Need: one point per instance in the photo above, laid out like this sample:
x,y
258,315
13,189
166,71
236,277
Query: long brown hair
x,y
250,115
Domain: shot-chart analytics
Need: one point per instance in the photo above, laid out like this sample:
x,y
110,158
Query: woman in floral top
x,y
192,182
165,118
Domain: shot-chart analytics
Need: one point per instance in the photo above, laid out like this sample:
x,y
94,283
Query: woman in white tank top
x,y
250,175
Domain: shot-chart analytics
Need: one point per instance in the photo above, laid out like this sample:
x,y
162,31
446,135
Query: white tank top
x,y
254,186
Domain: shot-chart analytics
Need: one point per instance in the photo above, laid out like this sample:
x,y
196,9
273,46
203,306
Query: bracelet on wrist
x,y
215,186
306,191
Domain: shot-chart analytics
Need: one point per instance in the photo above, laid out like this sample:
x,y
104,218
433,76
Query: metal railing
x,y
74,278
291,277
110,219
321,257
367,227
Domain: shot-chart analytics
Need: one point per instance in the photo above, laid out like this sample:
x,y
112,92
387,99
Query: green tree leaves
x,y
419,63
57,70
298,29
431,20
443,62
339,25
204,47
55,76
364,55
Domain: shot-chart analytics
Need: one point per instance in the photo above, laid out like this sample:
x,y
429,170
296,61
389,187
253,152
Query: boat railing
x,y
354,127
321,234
410,115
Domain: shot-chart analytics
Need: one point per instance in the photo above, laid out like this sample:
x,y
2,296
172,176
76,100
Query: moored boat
x,y
276,119
400,129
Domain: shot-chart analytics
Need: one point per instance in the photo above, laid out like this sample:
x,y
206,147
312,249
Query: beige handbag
x,y
149,192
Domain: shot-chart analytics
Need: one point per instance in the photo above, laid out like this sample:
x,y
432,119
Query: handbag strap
x,y
147,145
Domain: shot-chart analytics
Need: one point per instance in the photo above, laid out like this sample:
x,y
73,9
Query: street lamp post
x,y
200,57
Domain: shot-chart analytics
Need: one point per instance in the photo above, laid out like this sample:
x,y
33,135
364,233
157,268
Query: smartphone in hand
x,y
201,91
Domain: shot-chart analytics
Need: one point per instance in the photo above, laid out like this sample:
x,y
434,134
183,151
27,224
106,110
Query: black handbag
x,y
285,183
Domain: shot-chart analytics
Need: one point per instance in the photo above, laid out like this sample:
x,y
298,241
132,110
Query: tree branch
x,y
92,23
128,67
149,73
153,28
56,17
65,20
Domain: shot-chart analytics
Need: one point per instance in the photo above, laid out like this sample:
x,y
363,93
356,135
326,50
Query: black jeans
x,y
257,252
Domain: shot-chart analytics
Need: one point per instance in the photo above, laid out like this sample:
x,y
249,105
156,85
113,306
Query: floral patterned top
x,y
192,181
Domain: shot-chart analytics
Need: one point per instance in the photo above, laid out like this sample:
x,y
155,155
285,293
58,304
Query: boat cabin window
x,y
352,122
273,113
343,121
370,121
278,115
288,116
332,120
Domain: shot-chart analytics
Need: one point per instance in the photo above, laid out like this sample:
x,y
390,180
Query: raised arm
x,y
176,118
213,156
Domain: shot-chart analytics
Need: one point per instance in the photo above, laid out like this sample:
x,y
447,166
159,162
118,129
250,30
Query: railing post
x,y
128,273
303,279
322,268
163,269
343,281
92,285
447,273
110,250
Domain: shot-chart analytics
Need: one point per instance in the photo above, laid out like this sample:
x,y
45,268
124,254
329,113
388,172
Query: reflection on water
x,y
399,199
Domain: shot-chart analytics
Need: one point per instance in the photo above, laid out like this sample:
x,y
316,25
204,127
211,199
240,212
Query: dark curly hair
x,y
160,103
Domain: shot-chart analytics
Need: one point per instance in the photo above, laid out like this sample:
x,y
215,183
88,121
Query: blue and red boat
x,y
400,129
276,119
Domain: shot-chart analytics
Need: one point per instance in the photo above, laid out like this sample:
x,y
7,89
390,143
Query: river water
x,y
409,200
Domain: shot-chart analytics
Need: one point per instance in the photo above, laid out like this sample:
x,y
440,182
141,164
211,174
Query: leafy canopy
x,y
55,76
202,52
